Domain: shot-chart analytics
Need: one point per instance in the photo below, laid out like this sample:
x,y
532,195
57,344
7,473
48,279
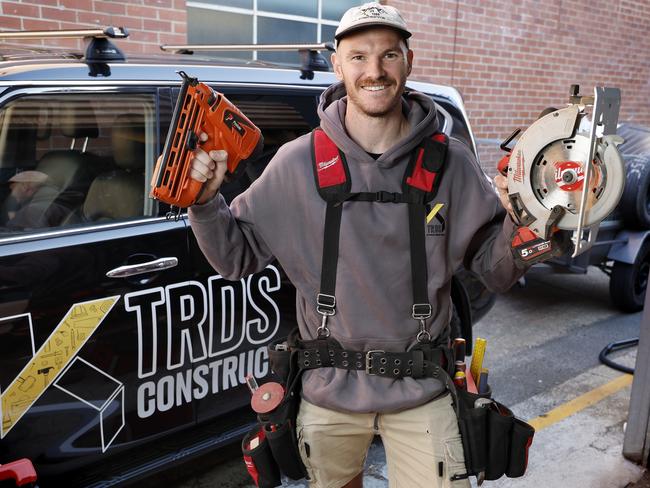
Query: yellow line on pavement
x,y
580,403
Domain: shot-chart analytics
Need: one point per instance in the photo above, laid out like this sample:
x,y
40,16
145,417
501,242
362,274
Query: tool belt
x,y
424,361
271,448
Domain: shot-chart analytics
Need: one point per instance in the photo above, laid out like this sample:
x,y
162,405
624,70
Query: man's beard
x,y
369,111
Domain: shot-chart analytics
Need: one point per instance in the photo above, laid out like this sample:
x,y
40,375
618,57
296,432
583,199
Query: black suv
x,y
121,350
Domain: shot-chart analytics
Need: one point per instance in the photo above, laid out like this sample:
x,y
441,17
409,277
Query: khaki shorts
x,y
422,444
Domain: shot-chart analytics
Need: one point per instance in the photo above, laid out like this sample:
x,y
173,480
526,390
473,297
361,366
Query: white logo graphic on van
x,y
194,339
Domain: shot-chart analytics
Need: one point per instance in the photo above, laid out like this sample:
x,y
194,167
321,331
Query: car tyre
x,y
628,282
635,202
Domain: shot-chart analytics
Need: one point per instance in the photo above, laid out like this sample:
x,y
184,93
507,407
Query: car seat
x,y
119,194
69,171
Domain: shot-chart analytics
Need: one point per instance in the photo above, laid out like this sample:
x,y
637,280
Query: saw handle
x,y
502,165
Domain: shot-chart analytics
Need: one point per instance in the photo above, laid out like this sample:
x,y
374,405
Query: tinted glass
x,y
327,33
214,27
334,9
75,159
279,31
307,8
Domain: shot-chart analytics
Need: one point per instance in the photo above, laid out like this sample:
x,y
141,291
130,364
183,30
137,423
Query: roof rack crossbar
x,y
325,46
112,32
99,49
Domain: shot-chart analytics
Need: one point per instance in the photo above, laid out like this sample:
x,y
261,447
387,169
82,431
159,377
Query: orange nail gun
x,y
200,109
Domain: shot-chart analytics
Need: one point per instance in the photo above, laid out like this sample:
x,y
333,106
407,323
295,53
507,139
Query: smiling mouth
x,y
374,88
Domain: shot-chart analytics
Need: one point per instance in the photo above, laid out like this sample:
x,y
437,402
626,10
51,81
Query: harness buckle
x,y
421,311
325,304
369,359
387,197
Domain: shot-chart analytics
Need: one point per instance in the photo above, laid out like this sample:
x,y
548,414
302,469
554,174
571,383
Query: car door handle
x,y
141,268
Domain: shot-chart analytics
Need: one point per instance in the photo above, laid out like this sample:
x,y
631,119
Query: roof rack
x,y
99,48
310,57
188,48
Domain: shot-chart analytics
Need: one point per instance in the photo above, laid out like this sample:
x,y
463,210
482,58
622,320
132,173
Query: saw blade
x,y
557,177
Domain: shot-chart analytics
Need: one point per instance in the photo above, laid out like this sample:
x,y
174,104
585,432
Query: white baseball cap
x,y
29,177
369,14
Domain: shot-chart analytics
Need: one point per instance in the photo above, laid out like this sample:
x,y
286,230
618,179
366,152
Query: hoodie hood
x,y
418,108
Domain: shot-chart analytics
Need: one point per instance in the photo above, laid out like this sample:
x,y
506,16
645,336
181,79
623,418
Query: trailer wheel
x,y
628,282
635,201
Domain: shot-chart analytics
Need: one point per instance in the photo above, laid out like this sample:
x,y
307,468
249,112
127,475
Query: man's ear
x,y
337,66
409,61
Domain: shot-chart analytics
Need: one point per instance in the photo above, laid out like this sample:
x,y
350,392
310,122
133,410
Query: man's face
x,y
373,64
22,191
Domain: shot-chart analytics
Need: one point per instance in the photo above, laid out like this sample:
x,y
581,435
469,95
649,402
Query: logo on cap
x,y
373,12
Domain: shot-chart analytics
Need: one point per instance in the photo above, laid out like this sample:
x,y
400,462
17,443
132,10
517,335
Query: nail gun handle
x,y
228,129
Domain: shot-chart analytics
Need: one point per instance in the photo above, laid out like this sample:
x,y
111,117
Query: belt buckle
x,y
369,359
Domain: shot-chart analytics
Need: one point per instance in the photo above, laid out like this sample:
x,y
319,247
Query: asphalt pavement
x,y
543,345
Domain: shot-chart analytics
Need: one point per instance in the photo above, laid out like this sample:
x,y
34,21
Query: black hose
x,y
615,346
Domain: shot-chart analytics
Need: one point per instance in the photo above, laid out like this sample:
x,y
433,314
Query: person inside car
x,y
34,202
377,125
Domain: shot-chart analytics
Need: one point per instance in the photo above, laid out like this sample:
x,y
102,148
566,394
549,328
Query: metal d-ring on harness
x,y
326,306
420,184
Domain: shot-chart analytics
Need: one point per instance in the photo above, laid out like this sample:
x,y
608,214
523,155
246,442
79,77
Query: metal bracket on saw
x,y
604,119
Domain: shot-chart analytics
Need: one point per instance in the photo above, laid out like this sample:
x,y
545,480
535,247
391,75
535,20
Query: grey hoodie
x,y
282,215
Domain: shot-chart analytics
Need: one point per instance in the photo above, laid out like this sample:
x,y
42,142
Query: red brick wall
x,y
150,22
510,59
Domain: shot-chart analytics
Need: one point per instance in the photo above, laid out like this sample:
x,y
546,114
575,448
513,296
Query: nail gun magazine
x,y
201,109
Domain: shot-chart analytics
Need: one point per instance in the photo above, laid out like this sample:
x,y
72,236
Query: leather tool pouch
x,y
495,442
279,425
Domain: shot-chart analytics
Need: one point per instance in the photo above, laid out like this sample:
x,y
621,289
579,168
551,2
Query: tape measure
x,y
477,359
267,397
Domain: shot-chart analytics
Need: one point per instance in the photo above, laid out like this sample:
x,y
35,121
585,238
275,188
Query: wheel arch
x,y
628,250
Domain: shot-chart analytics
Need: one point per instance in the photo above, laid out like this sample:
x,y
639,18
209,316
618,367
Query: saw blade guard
x,y
550,184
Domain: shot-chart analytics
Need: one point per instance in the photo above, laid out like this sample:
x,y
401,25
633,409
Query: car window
x,y
75,159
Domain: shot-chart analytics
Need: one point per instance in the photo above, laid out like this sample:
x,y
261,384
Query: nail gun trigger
x,y
174,213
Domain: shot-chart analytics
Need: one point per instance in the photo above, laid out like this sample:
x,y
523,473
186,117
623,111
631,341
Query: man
x,y
34,202
377,126
23,186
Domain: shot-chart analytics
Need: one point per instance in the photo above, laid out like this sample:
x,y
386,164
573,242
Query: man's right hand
x,y
208,168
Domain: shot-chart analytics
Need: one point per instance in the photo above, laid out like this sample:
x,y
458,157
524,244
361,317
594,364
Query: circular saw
x,y
565,173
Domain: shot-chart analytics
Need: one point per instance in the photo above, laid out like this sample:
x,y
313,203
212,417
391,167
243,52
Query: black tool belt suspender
x,y
420,184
